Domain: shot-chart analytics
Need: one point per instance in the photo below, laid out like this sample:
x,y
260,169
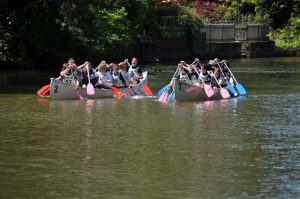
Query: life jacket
x,y
221,81
133,71
185,78
70,78
103,77
116,79
194,77
205,77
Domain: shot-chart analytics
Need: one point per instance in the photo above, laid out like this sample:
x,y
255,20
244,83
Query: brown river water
x,y
246,147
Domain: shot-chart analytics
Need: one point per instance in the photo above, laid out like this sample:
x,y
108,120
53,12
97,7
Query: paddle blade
x,y
117,92
171,96
163,89
163,98
224,93
231,90
44,90
208,90
240,89
90,89
147,90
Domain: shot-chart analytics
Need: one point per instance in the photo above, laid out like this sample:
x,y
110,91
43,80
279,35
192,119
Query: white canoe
x,y
62,90
188,92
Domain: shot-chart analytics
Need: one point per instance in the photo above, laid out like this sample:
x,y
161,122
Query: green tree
x,y
39,31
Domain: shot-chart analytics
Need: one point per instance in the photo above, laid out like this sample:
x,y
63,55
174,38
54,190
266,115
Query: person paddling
x,y
135,71
182,74
70,74
125,74
219,78
84,74
225,65
104,76
204,75
117,78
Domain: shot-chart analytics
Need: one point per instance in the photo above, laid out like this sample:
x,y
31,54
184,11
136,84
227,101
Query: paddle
x,y
44,90
90,88
223,91
165,92
164,97
230,88
145,88
238,86
160,92
171,96
117,92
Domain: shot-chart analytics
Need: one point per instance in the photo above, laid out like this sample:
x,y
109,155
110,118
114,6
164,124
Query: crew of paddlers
x,y
214,73
103,76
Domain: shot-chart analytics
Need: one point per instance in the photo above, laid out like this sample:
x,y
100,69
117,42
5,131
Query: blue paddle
x,y
238,86
163,89
171,96
229,87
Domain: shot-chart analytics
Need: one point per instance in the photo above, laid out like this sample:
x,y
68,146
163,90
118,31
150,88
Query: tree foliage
x,y
35,31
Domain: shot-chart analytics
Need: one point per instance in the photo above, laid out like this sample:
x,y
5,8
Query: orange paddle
x,y
44,90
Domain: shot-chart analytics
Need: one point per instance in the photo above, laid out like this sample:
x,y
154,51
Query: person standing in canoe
x,y
104,76
70,74
117,78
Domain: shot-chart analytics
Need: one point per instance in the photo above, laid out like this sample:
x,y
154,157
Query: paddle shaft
x,y
216,80
230,72
88,73
222,72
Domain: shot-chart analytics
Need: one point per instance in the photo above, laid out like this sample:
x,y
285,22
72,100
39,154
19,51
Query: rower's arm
x,y
81,66
64,72
188,69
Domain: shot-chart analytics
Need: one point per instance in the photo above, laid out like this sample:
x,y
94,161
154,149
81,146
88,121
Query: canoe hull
x,y
61,90
188,92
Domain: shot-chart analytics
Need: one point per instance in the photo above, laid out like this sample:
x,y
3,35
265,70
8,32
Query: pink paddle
x,y
224,93
164,97
90,87
208,90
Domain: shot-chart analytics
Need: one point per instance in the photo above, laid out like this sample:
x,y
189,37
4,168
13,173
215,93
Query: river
x,y
247,147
